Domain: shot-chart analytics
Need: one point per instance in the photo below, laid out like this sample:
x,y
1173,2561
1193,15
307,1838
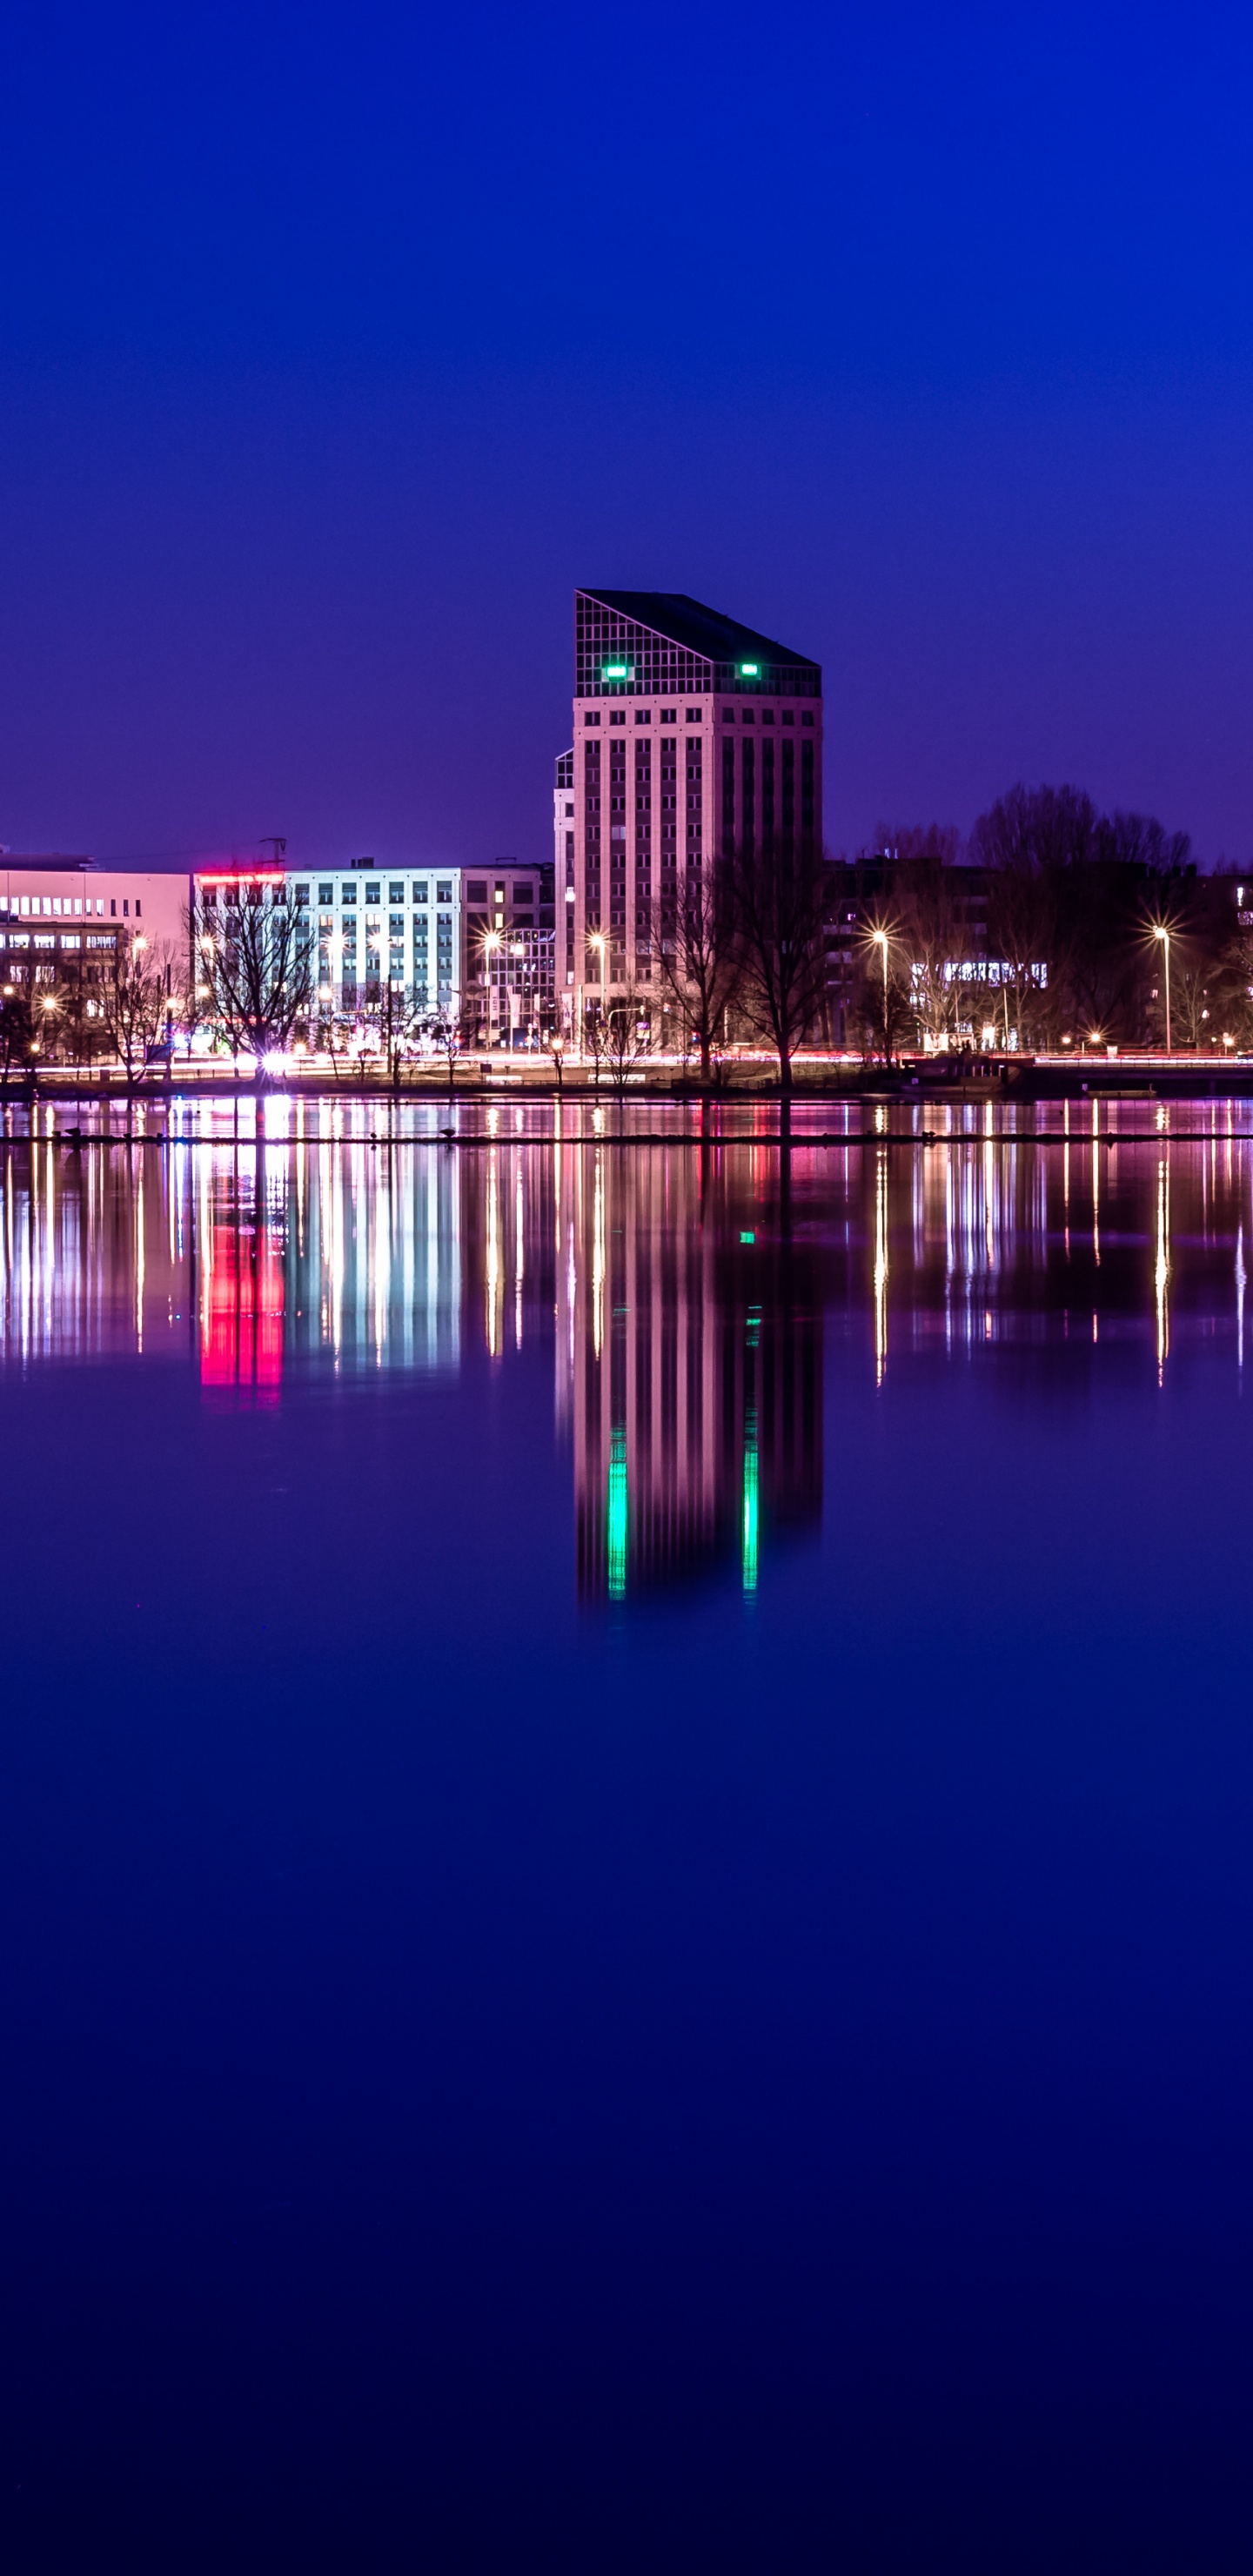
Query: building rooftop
x,y
42,859
699,629
645,643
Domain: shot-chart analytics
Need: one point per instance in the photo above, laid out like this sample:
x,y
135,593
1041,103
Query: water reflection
x,y
681,1294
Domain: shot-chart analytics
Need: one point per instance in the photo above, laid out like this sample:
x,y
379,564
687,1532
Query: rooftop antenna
x,y
276,841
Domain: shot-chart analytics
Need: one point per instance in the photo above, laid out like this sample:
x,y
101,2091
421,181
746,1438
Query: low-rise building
x,y
510,944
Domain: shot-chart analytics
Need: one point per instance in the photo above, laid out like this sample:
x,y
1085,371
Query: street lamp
x,y
491,939
880,939
1160,932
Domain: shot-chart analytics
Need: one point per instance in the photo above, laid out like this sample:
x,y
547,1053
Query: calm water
x,y
627,1815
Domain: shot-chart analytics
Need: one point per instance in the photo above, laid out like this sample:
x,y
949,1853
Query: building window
x,y
443,893
348,894
419,894
326,894
807,720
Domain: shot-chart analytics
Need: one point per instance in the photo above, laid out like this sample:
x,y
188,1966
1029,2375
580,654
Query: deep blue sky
x,y
337,345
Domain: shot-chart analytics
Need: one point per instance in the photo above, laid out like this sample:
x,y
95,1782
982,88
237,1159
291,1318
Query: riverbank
x,y
933,1079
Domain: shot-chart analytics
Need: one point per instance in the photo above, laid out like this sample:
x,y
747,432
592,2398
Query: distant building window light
x,y
750,670
617,670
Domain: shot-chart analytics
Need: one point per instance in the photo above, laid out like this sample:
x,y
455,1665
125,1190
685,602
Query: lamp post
x,y
880,939
491,939
1160,932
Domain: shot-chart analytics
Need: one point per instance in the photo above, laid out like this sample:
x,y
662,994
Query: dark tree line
x,y
1043,929
741,950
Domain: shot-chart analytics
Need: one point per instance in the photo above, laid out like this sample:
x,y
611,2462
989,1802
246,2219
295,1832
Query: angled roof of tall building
x,y
706,649
701,630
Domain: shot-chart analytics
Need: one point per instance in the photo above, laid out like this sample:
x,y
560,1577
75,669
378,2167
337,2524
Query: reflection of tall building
x,y
689,1355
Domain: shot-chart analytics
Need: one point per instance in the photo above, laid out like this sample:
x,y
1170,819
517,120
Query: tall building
x,y
693,736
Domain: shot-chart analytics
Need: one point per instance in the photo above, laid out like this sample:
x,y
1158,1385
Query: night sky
x,y
338,345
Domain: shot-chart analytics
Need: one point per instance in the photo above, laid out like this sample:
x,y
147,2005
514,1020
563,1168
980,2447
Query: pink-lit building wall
x,y
693,736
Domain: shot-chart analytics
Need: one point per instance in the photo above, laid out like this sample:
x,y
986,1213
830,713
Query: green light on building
x,y
748,1533
750,670
616,1515
617,670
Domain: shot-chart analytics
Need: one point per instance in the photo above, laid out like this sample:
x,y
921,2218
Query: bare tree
x,y
696,948
253,950
136,1001
1035,843
395,1021
627,1037
448,1031
888,1004
781,898
18,1040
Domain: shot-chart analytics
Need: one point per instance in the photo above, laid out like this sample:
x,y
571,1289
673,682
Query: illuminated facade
x,y
380,929
509,953
694,736
563,871
465,942
61,919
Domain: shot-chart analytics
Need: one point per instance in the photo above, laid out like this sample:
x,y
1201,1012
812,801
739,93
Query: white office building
x,y
384,926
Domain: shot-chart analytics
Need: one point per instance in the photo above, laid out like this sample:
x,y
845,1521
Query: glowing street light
x,y
1160,932
879,939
